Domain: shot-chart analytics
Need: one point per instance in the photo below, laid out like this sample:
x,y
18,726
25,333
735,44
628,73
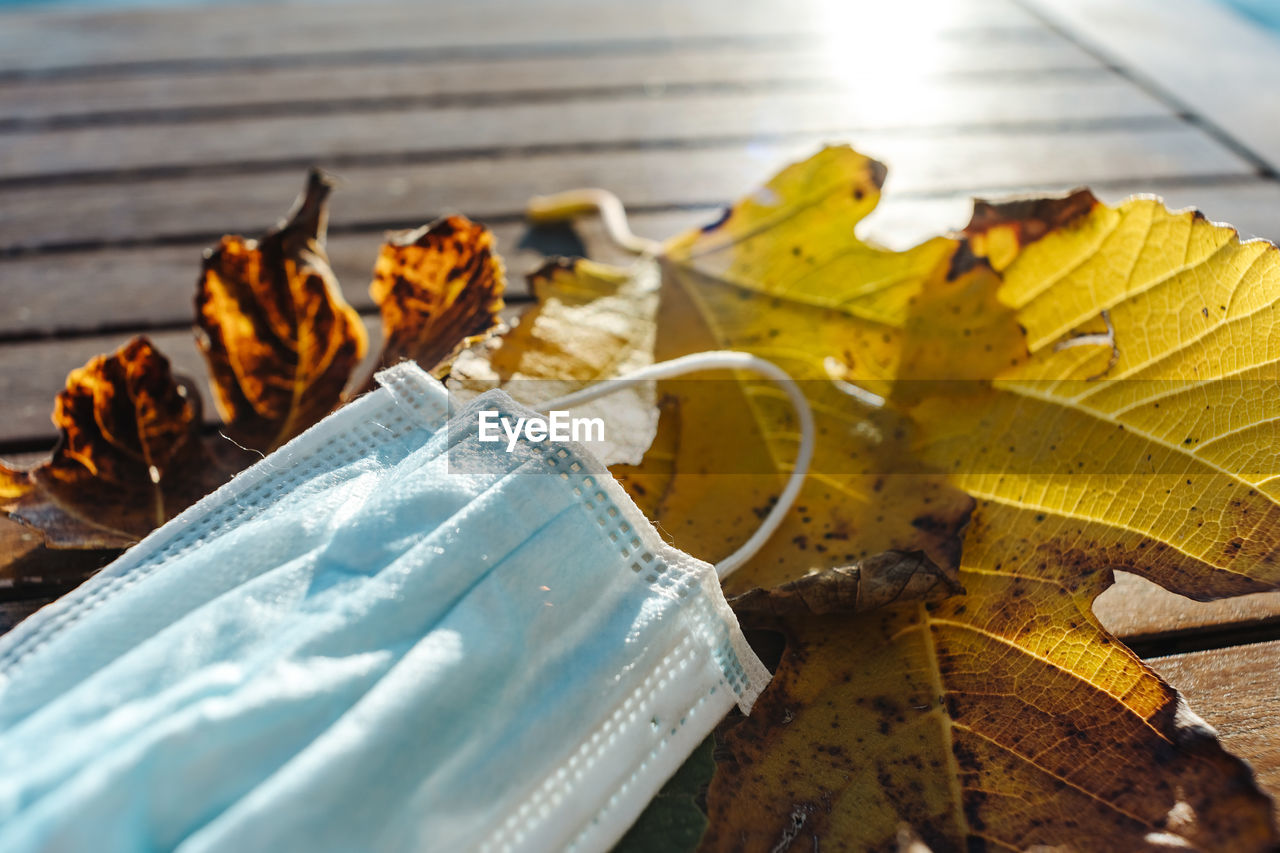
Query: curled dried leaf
x,y
887,578
129,455
439,289
280,340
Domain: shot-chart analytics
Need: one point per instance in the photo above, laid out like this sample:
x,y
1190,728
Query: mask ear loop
x,y
725,360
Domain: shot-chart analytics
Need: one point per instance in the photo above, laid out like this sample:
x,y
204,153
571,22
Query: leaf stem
x,y
572,203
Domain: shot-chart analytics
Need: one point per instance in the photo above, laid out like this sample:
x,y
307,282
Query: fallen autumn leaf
x,y
1005,716
280,340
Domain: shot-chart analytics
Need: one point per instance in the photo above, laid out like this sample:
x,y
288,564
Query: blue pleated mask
x,y
387,635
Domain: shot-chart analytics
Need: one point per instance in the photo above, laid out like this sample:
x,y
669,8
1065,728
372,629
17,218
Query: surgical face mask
x,y
387,635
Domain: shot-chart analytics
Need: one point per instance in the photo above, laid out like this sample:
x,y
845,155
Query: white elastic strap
x,y
723,360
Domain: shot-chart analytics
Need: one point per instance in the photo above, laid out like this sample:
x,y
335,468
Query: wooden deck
x,y
129,141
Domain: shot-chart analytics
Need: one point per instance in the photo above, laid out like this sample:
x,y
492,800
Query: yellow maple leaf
x,y
1005,716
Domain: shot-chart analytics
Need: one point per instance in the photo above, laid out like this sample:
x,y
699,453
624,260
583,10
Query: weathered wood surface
x,y
1229,85
1153,618
13,612
1237,691
634,120
497,185
364,83
47,294
54,43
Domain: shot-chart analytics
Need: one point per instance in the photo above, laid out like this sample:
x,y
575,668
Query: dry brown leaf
x,y
280,340
890,577
129,455
439,289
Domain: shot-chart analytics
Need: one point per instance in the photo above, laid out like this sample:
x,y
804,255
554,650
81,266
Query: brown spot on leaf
x,y
1030,219
964,260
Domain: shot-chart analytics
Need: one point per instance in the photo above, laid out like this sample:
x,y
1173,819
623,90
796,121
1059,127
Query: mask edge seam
x,y
680,570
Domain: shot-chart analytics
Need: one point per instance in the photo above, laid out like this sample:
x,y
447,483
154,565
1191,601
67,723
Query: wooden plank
x,y
16,541
110,289
148,97
608,121
1218,63
198,207
35,41
1137,609
1237,692
114,289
